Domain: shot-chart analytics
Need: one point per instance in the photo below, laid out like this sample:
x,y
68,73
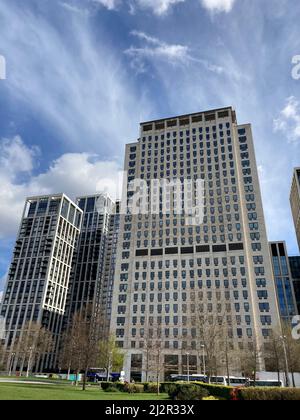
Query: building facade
x,y
94,260
173,270
295,273
39,275
283,281
295,202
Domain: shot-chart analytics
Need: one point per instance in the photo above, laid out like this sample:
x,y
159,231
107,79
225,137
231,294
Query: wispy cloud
x,y
162,7
158,7
155,49
109,4
66,82
218,5
288,121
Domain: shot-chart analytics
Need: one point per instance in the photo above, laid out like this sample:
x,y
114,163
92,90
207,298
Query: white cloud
x,y
159,7
109,4
2,285
156,49
288,121
74,174
66,81
15,157
218,5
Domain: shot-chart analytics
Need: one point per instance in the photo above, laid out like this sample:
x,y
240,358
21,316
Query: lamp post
x,y
12,359
29,362
188,365
203,357
109,367
287,370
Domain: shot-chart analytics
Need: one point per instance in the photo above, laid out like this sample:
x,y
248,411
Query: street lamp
x,y
188,365
203,356
29,361
12,359
287,370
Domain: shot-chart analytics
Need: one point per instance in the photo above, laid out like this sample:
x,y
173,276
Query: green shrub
x,y
269,394
151,388
105,385
218,391
167,387
134,388
111,389
188,392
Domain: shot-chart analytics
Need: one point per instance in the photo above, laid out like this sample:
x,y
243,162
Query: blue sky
x,y
81,75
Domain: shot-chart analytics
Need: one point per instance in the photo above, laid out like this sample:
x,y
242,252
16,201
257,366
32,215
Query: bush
x,y
167,387
111,389
134,388
151,388
188,392
218,391
105,385
269,394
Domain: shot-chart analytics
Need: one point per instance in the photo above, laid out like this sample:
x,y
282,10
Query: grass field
x,y
21,391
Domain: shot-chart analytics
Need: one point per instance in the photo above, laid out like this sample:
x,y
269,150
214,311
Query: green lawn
x,y
52,392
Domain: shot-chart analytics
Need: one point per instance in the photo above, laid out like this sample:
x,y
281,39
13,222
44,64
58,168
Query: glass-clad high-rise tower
x,y
93,267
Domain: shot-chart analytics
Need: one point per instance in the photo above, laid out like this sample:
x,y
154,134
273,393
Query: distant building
x,y
295,272
283,281
39,275
295,202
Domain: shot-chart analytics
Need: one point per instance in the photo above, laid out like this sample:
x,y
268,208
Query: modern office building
x,y
174,270
283,281
38,279
107,289
93,264
295,273
295,202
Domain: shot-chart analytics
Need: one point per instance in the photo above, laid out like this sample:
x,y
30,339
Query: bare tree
x,y
34,343
273,352
81,346
250,356
292,348
212,336
153,365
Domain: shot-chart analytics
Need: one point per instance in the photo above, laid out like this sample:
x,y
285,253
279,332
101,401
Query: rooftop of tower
x,y
209,115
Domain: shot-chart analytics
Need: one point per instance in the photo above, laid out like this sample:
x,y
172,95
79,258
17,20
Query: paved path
x,y
15,381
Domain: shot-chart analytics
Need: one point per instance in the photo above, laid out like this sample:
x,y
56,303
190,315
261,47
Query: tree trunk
x,y
84,379
293,379
76,380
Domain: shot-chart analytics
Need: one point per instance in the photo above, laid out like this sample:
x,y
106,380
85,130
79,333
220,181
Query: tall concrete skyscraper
x,y
38,279
295,202
193,250
283,281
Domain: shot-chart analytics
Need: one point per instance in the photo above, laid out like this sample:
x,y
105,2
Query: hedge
x,y
218,391
134,388
188,392
117,385
269,394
